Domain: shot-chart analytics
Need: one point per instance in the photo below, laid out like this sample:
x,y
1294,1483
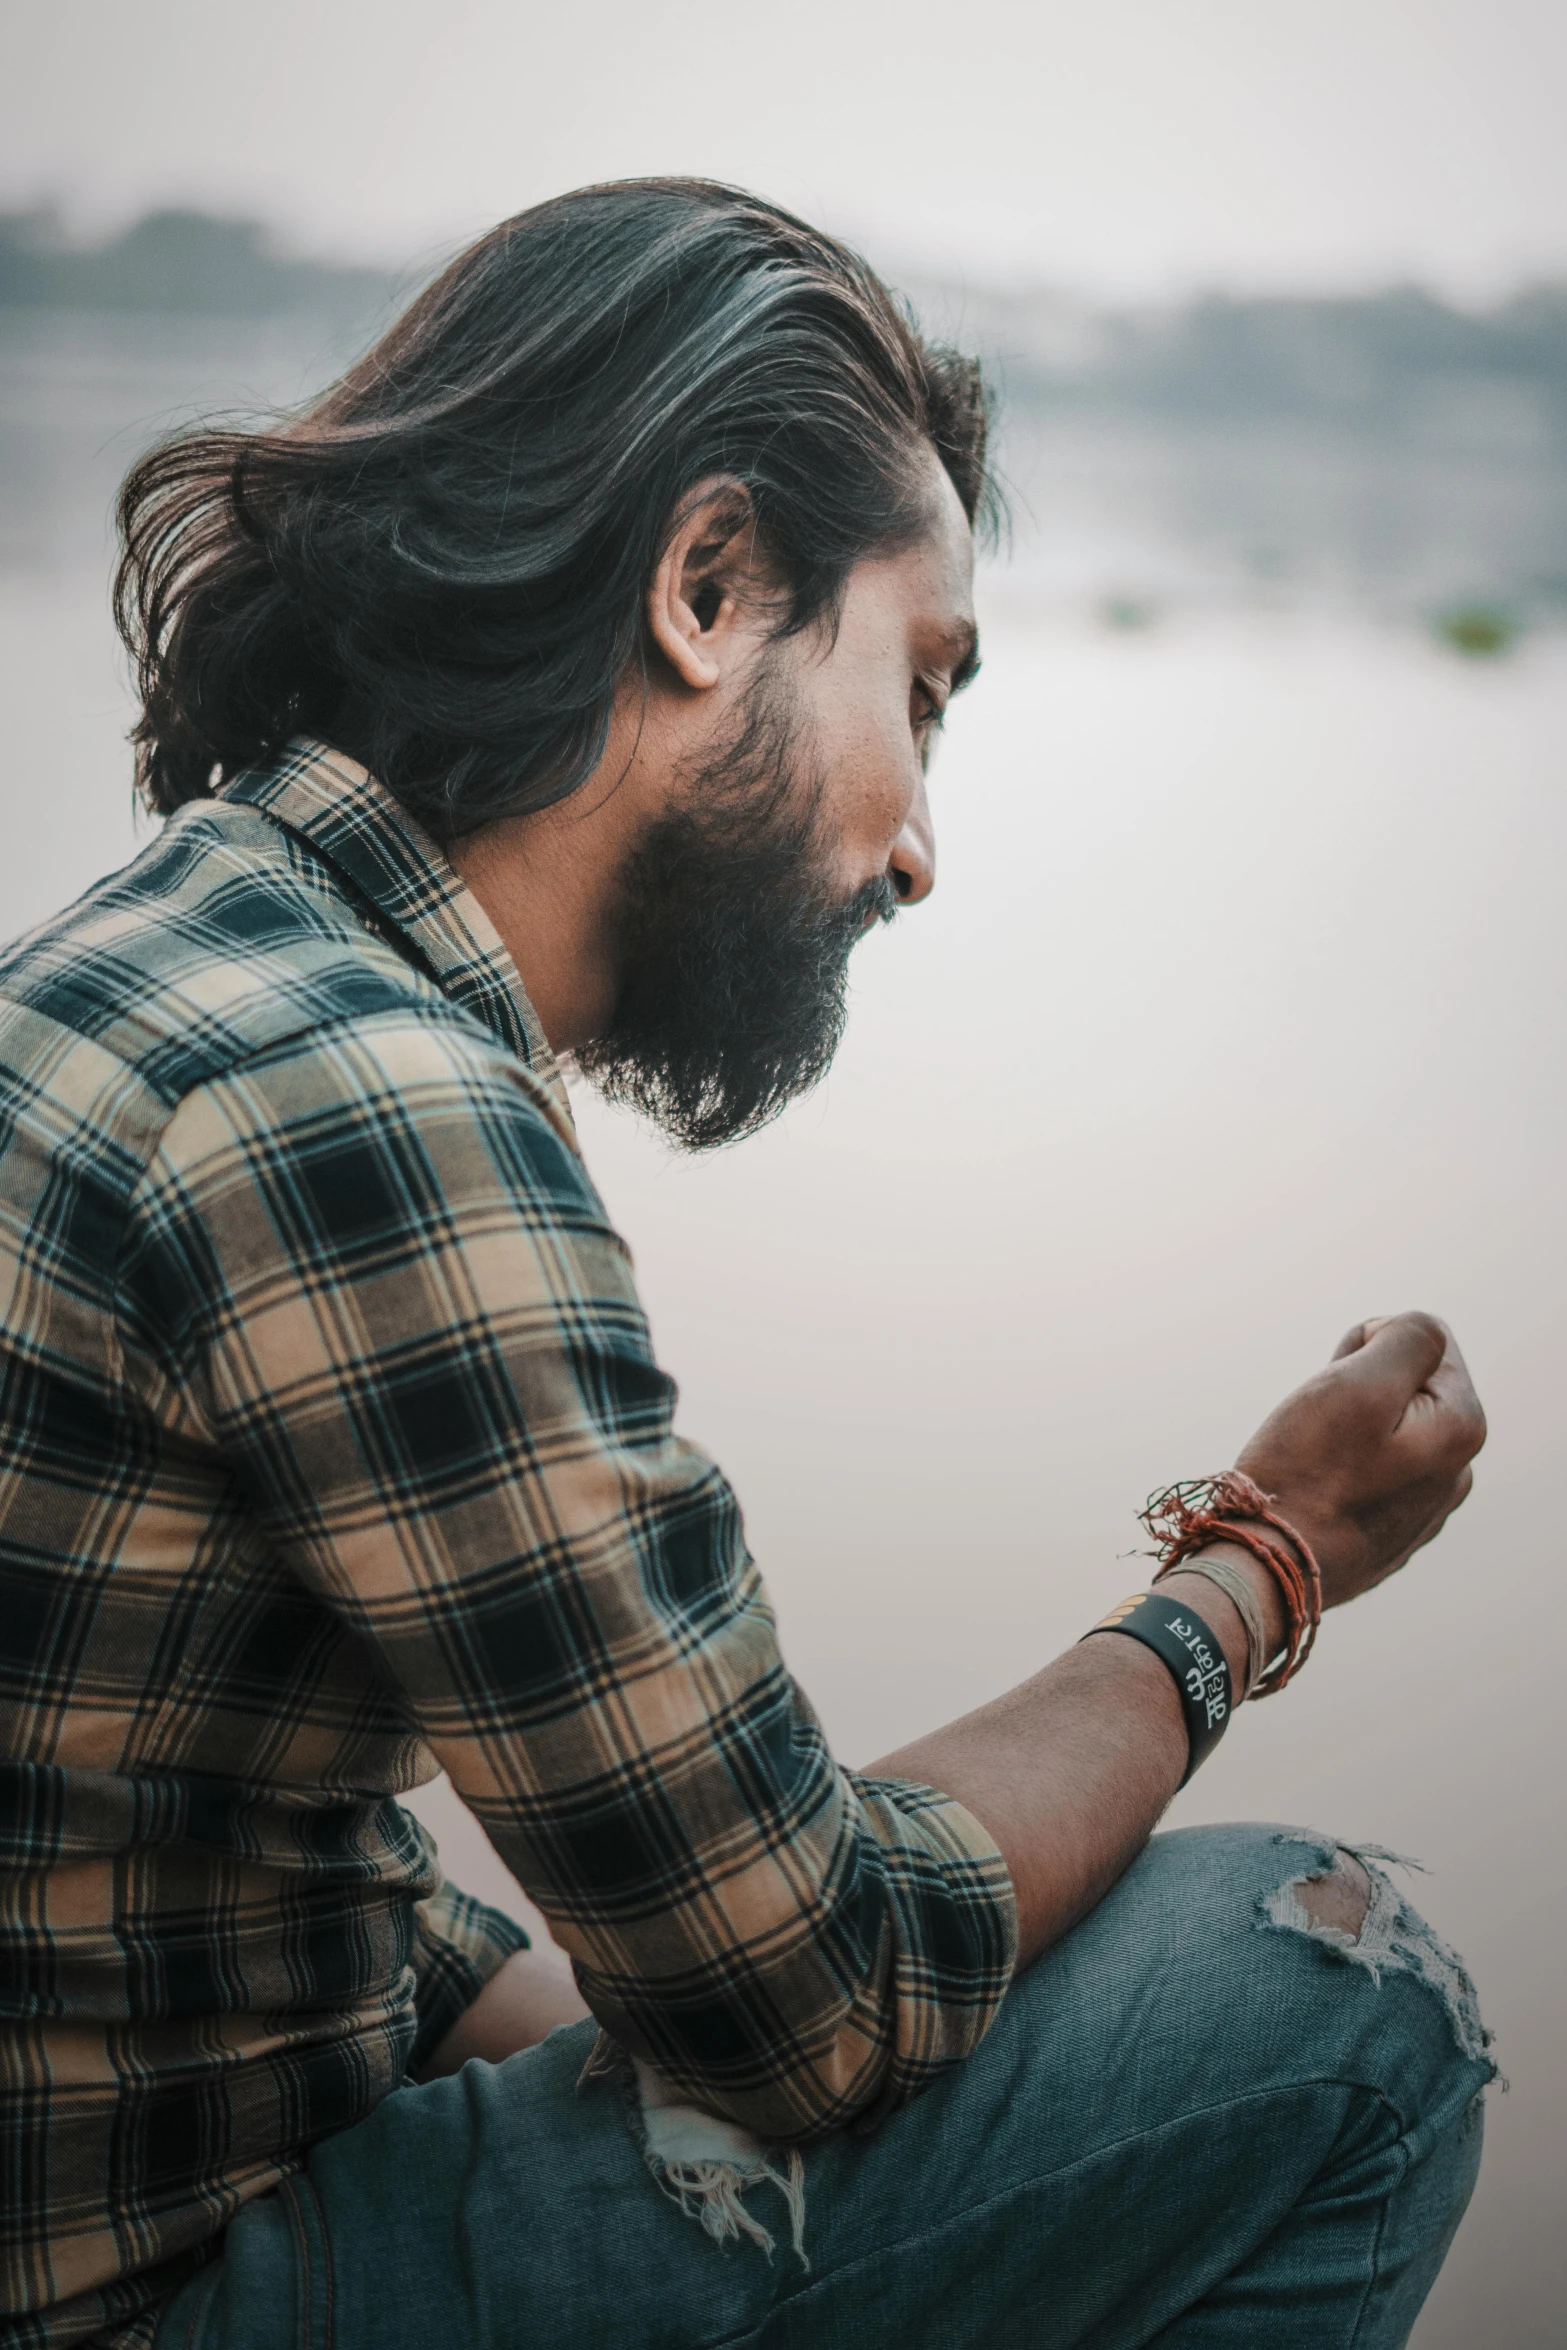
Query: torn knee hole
x,y
1337,1899
1352,1913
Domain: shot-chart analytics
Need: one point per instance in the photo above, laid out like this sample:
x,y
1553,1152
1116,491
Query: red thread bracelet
x,y
1231,1508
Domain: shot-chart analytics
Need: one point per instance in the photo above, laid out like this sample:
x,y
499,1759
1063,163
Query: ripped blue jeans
x,y
1197,2122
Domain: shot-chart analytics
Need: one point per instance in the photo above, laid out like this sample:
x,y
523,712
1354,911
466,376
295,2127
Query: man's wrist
x,y
1220,1612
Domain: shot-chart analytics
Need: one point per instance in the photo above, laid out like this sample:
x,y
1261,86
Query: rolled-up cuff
x,y
459,1943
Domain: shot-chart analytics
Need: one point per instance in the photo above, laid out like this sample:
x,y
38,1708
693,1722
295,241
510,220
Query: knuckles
x,y
1465,1432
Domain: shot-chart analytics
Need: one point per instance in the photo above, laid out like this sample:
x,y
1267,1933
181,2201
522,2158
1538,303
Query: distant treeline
x,y
1377,362
176,261
1358,361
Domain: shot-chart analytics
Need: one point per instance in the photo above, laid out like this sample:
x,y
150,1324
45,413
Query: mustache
x,y
876,903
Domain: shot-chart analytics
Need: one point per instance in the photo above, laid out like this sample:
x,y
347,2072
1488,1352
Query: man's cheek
x,y
883,779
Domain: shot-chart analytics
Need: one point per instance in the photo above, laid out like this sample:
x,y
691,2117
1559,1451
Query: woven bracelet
x,y
1229,1507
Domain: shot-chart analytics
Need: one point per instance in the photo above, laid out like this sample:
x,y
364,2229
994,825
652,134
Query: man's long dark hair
x,y
441,566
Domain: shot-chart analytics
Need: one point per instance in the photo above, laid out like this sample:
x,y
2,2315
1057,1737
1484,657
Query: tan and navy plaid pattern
x,y
334,1451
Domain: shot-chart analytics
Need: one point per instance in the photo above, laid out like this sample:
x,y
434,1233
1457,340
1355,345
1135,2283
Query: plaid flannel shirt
x,y
332,1452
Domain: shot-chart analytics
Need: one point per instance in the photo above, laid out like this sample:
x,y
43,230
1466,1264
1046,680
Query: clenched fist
x,y
1371,1456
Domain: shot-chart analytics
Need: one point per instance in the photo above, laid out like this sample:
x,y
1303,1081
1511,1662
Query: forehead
x,y
949,543
931,579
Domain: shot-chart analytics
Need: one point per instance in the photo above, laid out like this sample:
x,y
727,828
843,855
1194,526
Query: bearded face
x,y
734,952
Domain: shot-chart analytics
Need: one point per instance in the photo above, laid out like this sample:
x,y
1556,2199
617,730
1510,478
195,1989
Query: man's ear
x,y
702,585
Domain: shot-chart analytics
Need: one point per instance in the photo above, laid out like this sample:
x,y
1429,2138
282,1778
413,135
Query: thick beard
x,y
736,958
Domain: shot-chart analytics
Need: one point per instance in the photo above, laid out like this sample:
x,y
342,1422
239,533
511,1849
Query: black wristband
x,y
1198,1665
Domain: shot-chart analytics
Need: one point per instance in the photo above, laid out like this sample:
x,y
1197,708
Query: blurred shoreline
x,y
1386,453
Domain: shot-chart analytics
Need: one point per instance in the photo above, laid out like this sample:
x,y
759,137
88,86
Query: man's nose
x,y
912,861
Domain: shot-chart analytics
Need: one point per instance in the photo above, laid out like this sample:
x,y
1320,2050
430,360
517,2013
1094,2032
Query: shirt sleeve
x,y
458,1944
370,1268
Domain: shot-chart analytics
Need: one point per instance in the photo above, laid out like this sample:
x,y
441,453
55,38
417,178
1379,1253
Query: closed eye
x,y
930,706
927,710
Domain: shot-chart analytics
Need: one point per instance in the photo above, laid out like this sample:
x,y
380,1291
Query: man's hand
x,y
1372,1455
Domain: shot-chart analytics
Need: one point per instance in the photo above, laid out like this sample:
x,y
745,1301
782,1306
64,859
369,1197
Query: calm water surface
x,y
1237,1015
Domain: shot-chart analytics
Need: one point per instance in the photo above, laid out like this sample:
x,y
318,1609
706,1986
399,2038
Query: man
x,y
562,686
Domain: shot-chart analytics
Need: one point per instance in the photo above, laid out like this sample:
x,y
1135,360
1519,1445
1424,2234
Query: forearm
x,y
1071,1771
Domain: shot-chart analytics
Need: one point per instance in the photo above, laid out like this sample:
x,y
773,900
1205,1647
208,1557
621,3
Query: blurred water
x,y
1237,1014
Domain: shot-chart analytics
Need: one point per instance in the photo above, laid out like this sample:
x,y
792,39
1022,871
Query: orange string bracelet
x,y
1230,1508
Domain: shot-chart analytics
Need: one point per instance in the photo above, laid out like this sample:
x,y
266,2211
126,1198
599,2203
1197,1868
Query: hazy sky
x,y
1123,144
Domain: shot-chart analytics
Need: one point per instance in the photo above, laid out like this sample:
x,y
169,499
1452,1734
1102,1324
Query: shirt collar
x,y
356,825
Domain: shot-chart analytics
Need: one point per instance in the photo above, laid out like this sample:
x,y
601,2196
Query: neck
x,y
546,896
548,882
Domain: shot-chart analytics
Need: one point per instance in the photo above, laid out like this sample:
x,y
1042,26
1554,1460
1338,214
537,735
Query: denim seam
x,y
308,2227
302,2259
1381,2237
198,2316
735,2341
